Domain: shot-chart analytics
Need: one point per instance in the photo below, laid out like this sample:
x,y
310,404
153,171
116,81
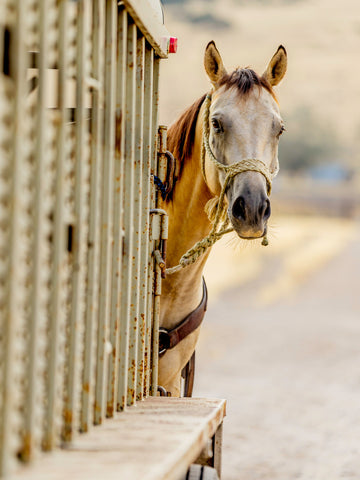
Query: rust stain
x,y
118,123
25,453
86,387
67,415
109,410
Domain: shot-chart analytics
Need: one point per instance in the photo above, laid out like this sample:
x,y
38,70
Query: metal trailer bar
x,y
129,148
59,265
118,328
154,311
11,95
80,236
104,345
93,283
143,366
147,245
41,250
115,289
135,331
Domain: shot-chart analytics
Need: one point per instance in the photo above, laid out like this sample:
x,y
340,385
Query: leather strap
x,y
188,374
168,339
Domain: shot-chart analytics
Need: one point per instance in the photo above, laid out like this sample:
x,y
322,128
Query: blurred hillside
x,y
320,94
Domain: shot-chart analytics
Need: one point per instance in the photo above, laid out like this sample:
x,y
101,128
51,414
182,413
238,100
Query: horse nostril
x,y
238,209
265,210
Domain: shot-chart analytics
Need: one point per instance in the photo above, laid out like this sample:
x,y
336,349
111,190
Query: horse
x,y
225,147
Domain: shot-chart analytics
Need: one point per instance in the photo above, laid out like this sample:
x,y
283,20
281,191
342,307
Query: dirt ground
x,y
281,342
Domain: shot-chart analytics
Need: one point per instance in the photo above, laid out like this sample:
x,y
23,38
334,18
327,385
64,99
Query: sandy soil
x,y
281,343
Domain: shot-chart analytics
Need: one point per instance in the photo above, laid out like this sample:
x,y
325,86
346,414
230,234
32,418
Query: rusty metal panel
x,y
129,152
112,387
96,155
104,346
77,154
81,17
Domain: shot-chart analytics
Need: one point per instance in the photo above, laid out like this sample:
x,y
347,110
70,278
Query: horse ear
x,y
213,63
277,67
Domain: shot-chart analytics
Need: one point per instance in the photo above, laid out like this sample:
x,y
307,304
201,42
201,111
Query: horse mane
x,y
181,138
181,134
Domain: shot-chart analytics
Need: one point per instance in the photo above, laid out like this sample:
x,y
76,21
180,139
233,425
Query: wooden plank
x,y
157,439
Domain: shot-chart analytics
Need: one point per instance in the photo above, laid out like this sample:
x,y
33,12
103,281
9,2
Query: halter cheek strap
x,y
216,208
250,164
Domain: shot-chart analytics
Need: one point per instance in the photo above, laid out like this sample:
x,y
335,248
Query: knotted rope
x,y
216,208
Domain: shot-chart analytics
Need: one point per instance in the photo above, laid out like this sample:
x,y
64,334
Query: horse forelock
x,y
244,80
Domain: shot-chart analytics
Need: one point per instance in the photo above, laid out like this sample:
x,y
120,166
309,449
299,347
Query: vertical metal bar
x,y
12,87
145,294
129,148
118,181
150,280
35,369
68,76
121,366
22,267
57,312
136,257
77,316
107,213
156,301
93,287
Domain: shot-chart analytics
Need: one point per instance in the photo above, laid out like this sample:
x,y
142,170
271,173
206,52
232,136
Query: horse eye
x,y
282,130
216,125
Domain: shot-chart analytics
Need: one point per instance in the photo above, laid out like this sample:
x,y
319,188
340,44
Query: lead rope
x,y
216,208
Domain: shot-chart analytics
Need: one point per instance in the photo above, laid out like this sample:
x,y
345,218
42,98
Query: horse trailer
x,y
81,249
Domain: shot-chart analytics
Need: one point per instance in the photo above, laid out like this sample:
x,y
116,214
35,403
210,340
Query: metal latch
x,y
159,233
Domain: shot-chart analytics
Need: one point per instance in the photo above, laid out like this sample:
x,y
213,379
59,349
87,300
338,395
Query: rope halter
x,y
216,207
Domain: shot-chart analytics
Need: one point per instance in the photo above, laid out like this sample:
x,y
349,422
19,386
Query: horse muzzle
x,y
249,208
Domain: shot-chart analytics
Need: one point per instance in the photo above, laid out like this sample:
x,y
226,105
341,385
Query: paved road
x,y
284,349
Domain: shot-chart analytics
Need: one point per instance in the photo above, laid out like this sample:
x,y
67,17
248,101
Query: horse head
x,y
244,124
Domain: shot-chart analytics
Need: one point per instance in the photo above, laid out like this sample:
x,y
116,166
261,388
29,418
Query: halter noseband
x,y
216,208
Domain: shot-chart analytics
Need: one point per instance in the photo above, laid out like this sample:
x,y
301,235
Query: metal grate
x,y
78,127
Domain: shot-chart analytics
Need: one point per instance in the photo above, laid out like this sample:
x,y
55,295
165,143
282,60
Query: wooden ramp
x,y
156,439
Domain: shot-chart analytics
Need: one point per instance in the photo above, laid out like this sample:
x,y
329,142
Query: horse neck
x,y
188,223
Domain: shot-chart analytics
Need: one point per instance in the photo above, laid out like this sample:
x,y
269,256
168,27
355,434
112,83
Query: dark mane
x,y
245,79
181,137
